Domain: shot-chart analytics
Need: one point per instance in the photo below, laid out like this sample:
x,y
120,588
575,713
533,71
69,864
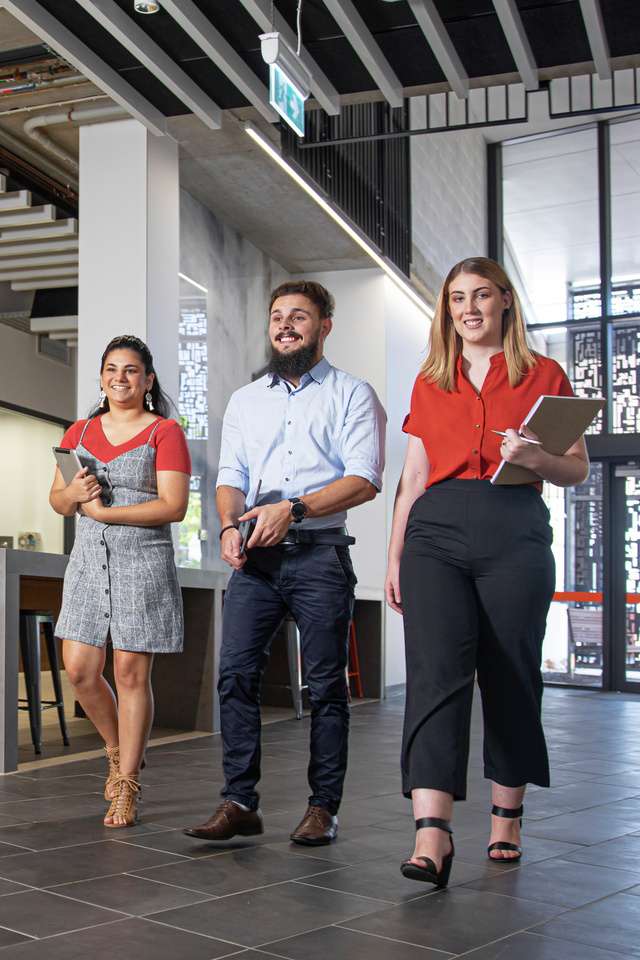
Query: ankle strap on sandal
x,y
433,822
506,813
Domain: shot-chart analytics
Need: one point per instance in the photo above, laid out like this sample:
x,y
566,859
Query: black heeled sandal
x,y
502,844
428,873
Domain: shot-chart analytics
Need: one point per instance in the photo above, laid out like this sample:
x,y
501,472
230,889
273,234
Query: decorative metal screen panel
x,y
369,181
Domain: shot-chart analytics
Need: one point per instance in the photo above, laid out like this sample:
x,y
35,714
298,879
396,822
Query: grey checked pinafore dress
x,y
122,580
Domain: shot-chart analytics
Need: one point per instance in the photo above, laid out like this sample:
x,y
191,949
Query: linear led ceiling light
x,y
328,208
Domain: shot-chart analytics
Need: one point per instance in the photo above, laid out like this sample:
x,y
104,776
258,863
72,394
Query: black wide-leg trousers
x,y
477,577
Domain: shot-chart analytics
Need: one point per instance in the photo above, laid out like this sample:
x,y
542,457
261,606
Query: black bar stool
x,y
30,623
295,685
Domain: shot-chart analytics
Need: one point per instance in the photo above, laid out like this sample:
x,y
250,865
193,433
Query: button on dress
x,y
121,581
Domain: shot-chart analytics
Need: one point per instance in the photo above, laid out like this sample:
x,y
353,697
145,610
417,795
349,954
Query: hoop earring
x,y
148,400
102,399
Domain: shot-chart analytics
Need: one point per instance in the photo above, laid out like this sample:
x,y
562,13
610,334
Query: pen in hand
x,y
501,433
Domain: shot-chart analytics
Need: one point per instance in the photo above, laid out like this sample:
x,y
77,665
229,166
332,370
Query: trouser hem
x,y
511,781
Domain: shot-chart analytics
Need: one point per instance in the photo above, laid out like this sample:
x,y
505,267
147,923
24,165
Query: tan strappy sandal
x,y
125,801
113,756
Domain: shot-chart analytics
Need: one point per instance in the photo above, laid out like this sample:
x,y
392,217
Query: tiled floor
x,y
70,888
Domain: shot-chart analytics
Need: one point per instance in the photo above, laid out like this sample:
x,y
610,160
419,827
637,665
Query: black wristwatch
x,y
299,509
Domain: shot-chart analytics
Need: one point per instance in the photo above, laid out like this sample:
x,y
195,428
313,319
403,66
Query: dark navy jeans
x,y
314,583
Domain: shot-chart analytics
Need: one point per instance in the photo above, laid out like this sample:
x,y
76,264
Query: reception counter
x,y
184,684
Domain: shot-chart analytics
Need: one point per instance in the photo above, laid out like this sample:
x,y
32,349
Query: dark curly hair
x,y
161,402
315,292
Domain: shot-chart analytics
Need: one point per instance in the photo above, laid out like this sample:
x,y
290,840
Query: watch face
x,y
298,511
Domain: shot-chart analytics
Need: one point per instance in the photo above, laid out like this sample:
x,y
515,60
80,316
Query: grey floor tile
x,y
227,873
455,920
54,809
12,788
261,916
50,836
9,938
382,880
559,882
531,946
341,944
80,863
175,841
611,924
534,849
8,887
584,828
37,913
129,894
134,938
620,854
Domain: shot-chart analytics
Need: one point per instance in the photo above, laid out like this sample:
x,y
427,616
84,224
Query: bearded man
x,y
310,438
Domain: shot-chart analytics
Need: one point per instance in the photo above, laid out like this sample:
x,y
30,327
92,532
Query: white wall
x,y
27,472
406,329
448,198
33,381
129,248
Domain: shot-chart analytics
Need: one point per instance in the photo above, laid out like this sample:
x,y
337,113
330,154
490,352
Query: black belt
x,y
331,536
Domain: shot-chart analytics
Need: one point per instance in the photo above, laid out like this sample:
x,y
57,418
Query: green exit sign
x,y
286,98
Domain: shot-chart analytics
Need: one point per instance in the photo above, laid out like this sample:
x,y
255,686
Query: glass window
x,y
550,189
27,522
572,648
194,415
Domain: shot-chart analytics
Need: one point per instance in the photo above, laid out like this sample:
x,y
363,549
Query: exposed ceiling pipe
x,y
12,111
20,148
32,128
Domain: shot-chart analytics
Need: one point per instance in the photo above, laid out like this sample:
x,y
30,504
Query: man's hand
x,y
230,545
272,523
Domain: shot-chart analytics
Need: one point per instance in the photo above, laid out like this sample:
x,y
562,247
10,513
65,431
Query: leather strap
x,y
506,813
331,536
433,822
503,845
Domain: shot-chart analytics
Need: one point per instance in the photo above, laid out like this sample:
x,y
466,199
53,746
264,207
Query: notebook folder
x,y
558,422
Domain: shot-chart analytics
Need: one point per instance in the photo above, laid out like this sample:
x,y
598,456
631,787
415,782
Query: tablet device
x,y
246,527
68,462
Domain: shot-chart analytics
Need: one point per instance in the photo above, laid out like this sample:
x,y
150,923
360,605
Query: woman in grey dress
x,y
121,583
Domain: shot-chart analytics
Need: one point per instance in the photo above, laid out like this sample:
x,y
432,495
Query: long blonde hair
x,y
445,344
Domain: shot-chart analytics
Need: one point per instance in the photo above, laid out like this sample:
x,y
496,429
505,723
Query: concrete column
x,y
129,249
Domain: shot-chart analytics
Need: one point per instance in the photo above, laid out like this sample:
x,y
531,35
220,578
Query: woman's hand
x,y
514,449
84,487
392,586
96,510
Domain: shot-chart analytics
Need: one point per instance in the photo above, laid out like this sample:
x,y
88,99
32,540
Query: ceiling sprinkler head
x,y
146,6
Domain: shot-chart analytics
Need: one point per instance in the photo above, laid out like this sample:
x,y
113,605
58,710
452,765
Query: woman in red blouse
x,y
470,564
121,584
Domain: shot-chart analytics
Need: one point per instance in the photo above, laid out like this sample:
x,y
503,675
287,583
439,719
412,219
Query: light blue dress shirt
x,y
298,440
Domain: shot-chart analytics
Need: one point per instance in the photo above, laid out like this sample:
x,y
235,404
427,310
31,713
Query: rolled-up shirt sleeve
x,y
233,469
363,436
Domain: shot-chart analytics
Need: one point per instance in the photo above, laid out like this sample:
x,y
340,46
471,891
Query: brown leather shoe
x,y
316,828
229,820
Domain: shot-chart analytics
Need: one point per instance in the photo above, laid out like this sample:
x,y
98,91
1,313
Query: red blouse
x,y
456,427
172,452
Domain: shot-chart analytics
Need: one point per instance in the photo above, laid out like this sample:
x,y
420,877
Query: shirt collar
x,y
496,360
317,373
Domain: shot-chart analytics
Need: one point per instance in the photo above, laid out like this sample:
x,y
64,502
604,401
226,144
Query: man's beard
x,y
295,363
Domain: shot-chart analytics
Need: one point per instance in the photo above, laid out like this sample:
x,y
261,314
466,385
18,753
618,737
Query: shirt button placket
x,y
105,567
